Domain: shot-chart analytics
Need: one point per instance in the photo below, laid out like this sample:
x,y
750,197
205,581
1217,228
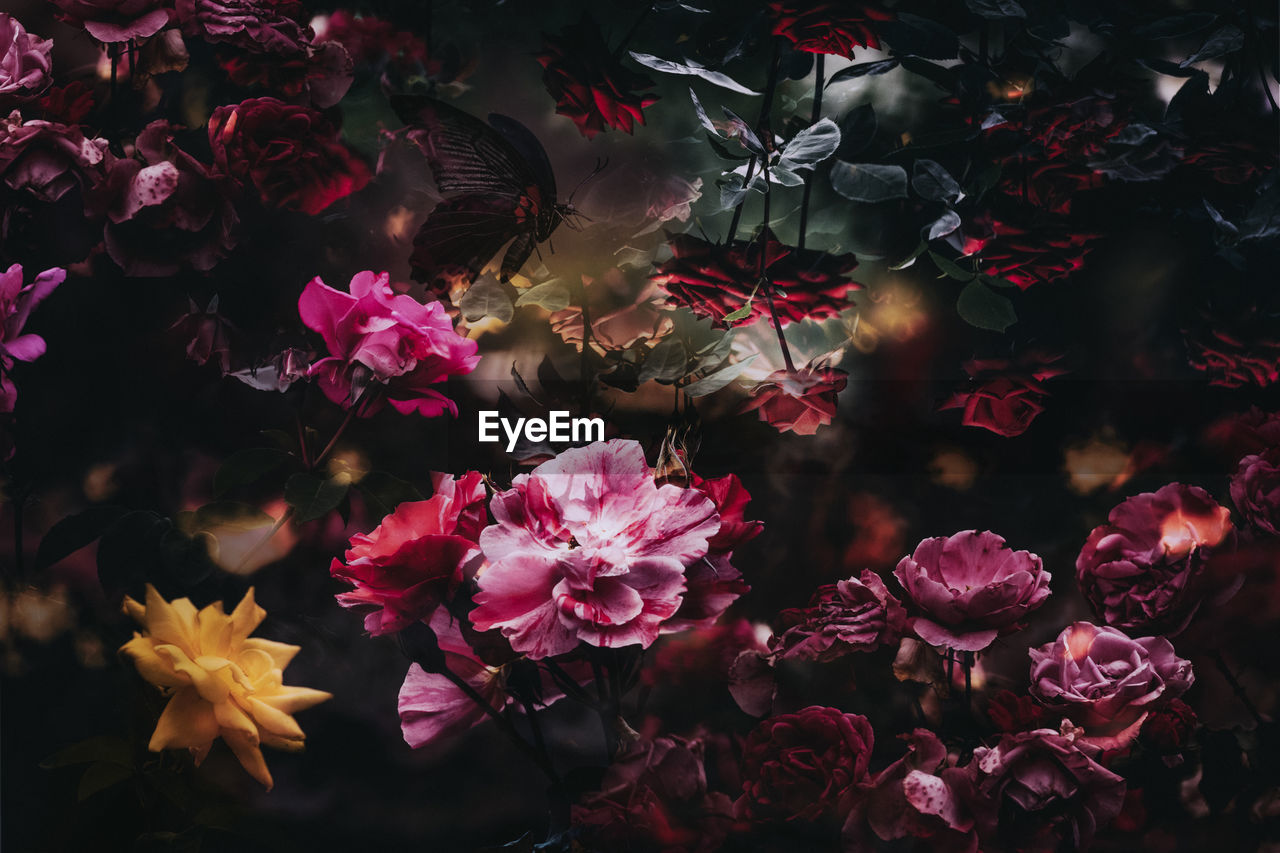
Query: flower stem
x,y
737,211
815,116
768,285
966,660
1236,686
762,121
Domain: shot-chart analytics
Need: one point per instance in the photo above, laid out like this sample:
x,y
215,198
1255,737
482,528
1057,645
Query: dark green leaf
x,y
1175,26
1229,39
863,69
935,183
551,295
486,298
99,777
981,306
869,182
996,9
917,36
665,363
104,748
383,493
74,532
312,496
247,466
951,268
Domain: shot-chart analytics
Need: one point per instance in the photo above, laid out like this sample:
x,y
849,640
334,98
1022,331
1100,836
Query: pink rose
x,y
969,588
117,20
44,160
798,401
416,556
378,337
431,706
26,66
1105,681
1255,489
858,614
257,26
588,548
1140,570
17,301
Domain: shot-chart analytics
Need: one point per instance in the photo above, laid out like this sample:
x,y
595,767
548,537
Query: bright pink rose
x,y
588,548
1104,680
416,556
1255,490
800,766
117,20
858,614
378,337
798,401
1140,570
25,64
969,588
17,301
433,707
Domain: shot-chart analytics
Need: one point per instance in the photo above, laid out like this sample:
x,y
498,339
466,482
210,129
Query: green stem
x,y
818,68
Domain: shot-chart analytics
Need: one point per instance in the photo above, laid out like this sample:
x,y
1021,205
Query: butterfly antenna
x,y
601,165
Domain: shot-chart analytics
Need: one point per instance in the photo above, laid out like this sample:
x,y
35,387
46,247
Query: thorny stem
x,y
622,45
1236,686
818,63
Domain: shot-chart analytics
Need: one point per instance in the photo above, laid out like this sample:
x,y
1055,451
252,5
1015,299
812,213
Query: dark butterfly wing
x,y
524,142
465,154
459,238
521,248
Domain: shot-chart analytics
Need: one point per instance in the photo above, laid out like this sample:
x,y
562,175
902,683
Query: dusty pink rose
x,y
377,337
26,66
858,614
969,588
1255,490
1140,569
45,160
431,706
1104,680
655,797
1037,791
17,301
914,797
207,334
416,556
257,26
798,401
798,767
117,20
588,548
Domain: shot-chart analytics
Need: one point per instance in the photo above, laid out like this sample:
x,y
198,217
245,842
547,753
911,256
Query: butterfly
x,y
498,187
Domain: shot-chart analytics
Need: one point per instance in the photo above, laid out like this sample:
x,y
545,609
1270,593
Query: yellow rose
x,y
221,682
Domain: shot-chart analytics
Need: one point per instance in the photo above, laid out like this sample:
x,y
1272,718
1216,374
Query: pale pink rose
x,y
25,63
588,548
378,337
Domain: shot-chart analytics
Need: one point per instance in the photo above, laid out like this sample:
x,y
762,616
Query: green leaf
x,y
105,748
665,363
312,496
99,777
551,295
740,314
869,182
714,382
911,258
247,466
486,298
951,268
997,282
383,493
981,306
74,532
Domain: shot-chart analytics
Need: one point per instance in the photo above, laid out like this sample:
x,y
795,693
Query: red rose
x,y
1050,185
256,26
1170,728
1005,396
798,401
1049,251
290,155
590,84
716,279
1010,712
1238,350
799,766
835,28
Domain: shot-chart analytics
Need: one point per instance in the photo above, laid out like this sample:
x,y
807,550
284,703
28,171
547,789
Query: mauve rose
x,y
835,28
716,279
117,20
913,798
416,556
587,548
590,84
26,66
1006,395
44,160
257,26
655,797
207,334
969,588
1037,791
854,615
800,766
377,337
165,210
798,401
1255,489
1139,571
1104,680
291,156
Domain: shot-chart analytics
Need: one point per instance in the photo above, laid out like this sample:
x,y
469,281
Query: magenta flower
x,y
416,556
433,707
858,614
378,337
17,301
1104,680
1140,570
1255,490
25,62
969,588
588,548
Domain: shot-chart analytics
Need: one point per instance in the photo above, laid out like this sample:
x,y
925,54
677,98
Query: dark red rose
x,y
1240,434
798,401
1048,185
717,279
1037,791
1140,570
117,20
1229,156
1255,489
858,614
1170,728
1010,712
1236,351
655,797
702,656
165,210
291,156
256,26
835,27
590,84
800,766
321,73
1076,130
1005,395
207,334
1048,251
371,40
69,104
